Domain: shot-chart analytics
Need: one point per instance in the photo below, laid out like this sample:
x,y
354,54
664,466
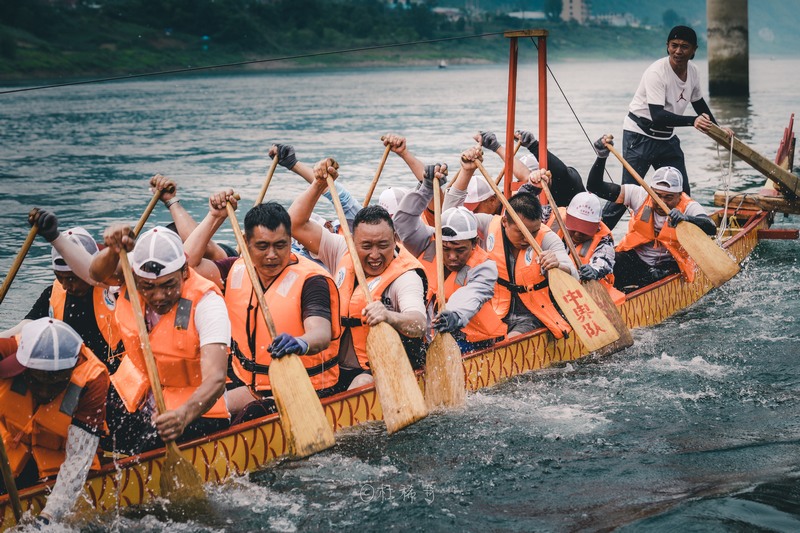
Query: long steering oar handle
x,y
510,210
503,171
657,199
267,180
377,174
437,215
561,224
251,271
147,210
18,262
11,484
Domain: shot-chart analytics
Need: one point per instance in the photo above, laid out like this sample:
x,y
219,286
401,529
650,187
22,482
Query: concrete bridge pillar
x,y
728,51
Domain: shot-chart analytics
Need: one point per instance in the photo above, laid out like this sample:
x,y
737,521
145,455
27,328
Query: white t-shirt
x,y
210,319
661,86
634,196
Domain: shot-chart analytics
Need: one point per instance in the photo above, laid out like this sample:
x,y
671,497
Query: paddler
x,y
470,275
52,410
87,306
522,297
396,279
650,251
300,294
189,332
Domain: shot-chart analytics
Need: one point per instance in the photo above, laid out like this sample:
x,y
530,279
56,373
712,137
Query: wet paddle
x,y
590,324
12,272
400,396
715,262
595,289
444,369
377,175
180,481
267,180
302,418
147,210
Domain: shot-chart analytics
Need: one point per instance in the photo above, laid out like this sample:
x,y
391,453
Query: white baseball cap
x,y
80,237
461,221
478,191
48,344
390,198
158,252
584,213
530,161
667,179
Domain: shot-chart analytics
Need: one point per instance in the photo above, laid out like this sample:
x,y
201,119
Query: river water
x,y
694,428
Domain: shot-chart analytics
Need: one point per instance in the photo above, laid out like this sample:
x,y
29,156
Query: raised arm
x,y
594,183
105,265
304,230
397,144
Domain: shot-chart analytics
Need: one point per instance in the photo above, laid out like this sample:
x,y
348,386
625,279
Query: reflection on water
x,y
694,427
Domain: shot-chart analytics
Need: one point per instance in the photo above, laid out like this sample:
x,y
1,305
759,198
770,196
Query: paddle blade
x,y
588,321
180,482
604,301
715,263
400,396
303,420
444,373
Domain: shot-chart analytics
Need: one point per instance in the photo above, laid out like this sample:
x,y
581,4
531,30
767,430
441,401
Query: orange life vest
x,y
352,298
103,304
586,251
42,434
176,348
485,324
641,230
527,281
283,297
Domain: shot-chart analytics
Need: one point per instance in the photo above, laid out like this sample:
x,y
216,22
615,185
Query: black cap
x,y
684,33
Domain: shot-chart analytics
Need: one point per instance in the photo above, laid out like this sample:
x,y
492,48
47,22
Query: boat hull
x,y
250,446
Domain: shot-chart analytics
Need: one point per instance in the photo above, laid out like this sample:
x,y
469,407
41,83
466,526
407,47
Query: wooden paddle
x,y
12,272
715,262
590,324
595,289
377,175
302,417
147,210
270,172
444,369
180,481
400,396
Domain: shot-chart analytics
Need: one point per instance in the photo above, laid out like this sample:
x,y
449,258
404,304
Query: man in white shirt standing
x,y
667,87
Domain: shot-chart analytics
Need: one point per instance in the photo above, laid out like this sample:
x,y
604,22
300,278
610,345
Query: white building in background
x,y
577,10
618,20
528,15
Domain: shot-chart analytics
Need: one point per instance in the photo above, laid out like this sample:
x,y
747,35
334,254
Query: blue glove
x,y
446,322
526,138
286,157
489,141
285,344
430,170
676,216
588,272
46,223
600,148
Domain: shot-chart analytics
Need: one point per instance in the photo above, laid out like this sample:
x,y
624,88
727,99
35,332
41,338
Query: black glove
x,y
600,148
286,157
46,223
526,138
430,170
489,141
285,344
588,272
676,216
658,273
446,322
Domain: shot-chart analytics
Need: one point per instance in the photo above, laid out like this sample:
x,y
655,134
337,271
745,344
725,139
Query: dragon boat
x,y
746,219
